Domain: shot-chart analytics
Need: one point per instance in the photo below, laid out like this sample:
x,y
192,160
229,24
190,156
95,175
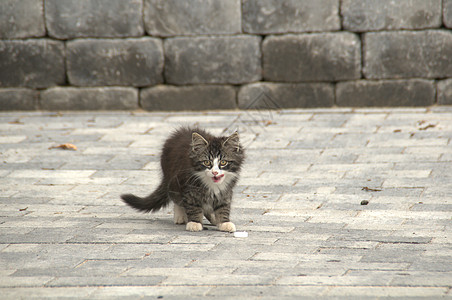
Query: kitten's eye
x,y
207,163
223,163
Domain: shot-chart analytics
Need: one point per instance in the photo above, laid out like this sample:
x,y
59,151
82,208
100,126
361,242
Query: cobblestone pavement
x,y
65,233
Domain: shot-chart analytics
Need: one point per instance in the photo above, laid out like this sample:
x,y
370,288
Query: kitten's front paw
x,y
227,226
194,226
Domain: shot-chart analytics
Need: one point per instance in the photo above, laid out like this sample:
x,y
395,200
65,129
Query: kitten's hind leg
x,y
211,217
180,217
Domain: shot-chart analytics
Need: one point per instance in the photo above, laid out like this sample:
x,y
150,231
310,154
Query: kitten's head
x,y
217,160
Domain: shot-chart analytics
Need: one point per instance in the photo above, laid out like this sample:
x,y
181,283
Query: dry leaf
x,y
66,146
368,189
427,127
421,122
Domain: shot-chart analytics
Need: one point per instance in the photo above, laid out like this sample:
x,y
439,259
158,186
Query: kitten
x,y
199,173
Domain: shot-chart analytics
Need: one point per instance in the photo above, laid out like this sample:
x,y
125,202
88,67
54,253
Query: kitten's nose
x,y
215,173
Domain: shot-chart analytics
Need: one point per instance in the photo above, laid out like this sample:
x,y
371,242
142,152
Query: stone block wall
x,y
223,54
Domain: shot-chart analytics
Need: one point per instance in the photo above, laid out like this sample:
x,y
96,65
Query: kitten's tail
x,y
152,203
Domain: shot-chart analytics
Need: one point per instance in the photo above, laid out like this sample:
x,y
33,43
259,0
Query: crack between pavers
x,y
398,242
81,264
422,192
251,258
280,197
46,284
92,243
160,284
190,263
377,128
440,157
260,174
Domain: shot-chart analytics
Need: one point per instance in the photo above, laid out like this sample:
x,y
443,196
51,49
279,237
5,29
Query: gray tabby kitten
x,y
199,173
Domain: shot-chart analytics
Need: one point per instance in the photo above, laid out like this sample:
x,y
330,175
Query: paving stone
x,y
387,292
437,264
422,279
231,279
50,173
156,292
22,166
22,20
105,18
88,281
271,16
71,158
362,16
335,280
175,18
32,63
114,62
312,57
23,281
223,60
268,292
42,293
385,54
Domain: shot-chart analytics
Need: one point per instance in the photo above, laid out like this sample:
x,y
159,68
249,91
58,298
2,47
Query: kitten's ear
x,y
197,141
233,141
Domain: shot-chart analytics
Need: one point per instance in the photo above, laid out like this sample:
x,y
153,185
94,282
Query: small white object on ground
x,y
240,234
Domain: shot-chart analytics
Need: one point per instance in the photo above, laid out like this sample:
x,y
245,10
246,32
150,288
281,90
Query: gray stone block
x,y
107,98
312,57
174,17
82,281
197,97
67,19
285,95
369,15
21,19
447,13
229,59
408,54
415,92
127,62
31,63
18,99
276,16
445,91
